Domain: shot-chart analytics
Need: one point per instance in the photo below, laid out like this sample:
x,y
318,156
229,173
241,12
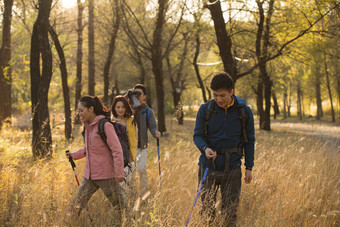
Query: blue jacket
x,y
224,131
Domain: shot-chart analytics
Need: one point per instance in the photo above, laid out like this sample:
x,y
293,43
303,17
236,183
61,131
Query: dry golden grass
x,y
296,181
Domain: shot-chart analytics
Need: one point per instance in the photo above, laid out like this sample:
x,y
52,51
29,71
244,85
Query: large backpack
x,y
219,176
242,116
122,136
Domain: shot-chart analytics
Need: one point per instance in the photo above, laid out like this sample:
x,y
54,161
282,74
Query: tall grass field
x,y
296,180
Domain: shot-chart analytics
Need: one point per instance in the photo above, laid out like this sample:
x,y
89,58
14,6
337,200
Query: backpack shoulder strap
x,y
83,132
101,131
146,113
243,120
209,112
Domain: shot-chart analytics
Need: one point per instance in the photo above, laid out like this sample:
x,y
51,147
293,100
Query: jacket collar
x,y
95,120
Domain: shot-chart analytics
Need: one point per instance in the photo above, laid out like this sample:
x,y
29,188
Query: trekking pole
x,y
70,159
159,162
198,194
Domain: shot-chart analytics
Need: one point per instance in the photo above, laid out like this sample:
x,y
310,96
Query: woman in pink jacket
x,y
104,169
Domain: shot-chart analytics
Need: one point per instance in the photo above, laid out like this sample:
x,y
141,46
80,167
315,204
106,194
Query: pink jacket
x,y
100,163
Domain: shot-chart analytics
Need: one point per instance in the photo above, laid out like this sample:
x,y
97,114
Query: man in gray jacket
x,y
145,119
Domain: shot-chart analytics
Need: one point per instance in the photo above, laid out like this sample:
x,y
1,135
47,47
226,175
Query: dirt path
x,y
324,132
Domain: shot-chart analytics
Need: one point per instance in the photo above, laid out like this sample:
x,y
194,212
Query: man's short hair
x,y
140,86
222,80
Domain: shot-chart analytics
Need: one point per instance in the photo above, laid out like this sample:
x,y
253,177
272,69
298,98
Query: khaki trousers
x,y
87,188
141,159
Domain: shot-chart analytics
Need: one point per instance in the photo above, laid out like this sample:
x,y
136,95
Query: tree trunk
x,y
157,66
267,96
289,103
112,45
177,83
338,79
276,105
66,91
319,112
148,91
198,76
336,65
262,44
142,71
91,59
5,58
299,109
259,100
79,59
224,41
285,104
40,82
329,88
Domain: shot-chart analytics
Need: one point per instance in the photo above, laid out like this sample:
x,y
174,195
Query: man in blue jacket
x,y
222,138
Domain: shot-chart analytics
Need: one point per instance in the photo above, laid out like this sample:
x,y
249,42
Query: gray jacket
x,y
147,120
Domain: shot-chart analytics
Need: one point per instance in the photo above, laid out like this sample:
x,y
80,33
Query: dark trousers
x,y
230,186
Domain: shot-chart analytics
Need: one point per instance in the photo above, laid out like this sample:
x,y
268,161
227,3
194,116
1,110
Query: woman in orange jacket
x,y
104,169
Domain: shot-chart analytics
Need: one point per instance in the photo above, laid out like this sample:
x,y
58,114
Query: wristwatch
x,y
204,149
250,168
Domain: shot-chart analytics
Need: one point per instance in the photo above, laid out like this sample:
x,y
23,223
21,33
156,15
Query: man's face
x,y
142,97
223,97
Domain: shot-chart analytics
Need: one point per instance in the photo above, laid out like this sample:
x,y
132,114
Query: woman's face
x,y
86,114
120,109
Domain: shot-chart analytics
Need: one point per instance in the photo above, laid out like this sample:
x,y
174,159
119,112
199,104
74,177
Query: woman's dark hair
x,y
222,80
120,98
140,86
98,106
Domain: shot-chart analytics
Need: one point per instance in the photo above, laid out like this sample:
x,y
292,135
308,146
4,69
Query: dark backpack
x,y
122,136
242,116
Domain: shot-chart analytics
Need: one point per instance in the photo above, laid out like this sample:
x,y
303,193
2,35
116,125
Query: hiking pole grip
x,y
157,142
70,159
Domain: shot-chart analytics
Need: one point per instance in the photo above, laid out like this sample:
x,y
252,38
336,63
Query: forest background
x,y
283,55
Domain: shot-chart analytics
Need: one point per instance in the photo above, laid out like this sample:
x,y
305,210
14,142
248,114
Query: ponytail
x,y
98,106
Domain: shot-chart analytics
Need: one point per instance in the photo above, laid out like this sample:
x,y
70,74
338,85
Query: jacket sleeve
x,y
116,149
152,123
249,147
199,136
132,133
81,153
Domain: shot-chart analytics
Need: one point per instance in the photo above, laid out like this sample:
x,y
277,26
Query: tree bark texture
x,y
285,104
79,59
157,65
40,82
5,58
224,42
329,88
259,100
299,105
66,90
262,44
319,111
112,45
178,81
275,106
91,59
197,72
